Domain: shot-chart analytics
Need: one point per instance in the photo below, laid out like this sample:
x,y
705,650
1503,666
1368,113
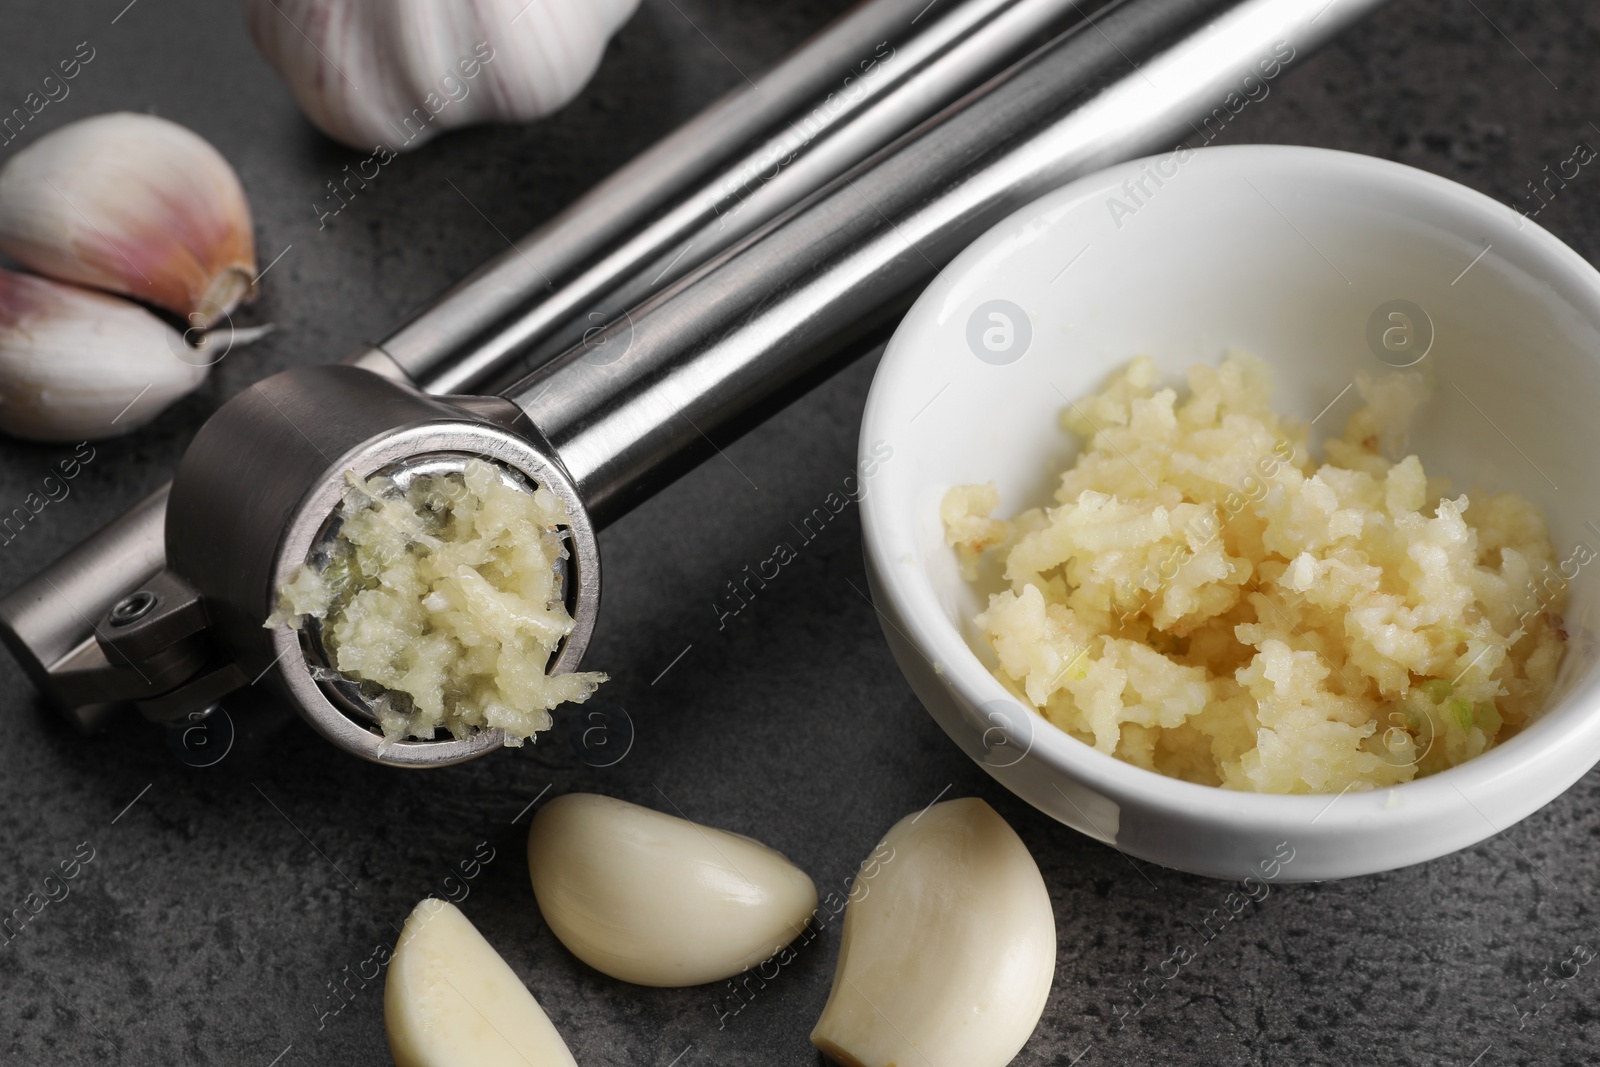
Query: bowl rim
x,y
1572,721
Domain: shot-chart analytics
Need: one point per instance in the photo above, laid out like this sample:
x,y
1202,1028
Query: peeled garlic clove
x,y
135,205
396,73
78,365
656,900
948,950
451,1001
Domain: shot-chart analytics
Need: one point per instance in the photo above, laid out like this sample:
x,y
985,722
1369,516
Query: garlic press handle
x,y
678,377
49,623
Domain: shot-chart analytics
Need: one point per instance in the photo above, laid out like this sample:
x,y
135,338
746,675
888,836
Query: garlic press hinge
x,y
156,640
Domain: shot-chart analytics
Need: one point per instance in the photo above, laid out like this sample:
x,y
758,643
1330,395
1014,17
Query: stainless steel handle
x,y
48,623
481,323
743,335
923,65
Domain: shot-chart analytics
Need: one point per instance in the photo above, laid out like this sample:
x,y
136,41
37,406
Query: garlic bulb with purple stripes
x,y
396,73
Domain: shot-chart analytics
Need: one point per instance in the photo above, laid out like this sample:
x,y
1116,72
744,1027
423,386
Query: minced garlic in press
x,y
447,599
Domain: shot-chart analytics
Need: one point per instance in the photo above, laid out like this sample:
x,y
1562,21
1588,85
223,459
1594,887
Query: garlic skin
x,y
657,900
397,73
78,365
450,1000
136,205
947,958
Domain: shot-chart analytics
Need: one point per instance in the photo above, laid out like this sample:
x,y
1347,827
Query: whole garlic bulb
x,y
397,73
132,204
79,365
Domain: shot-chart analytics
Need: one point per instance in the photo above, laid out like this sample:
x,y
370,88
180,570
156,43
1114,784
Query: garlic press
x,y
833,232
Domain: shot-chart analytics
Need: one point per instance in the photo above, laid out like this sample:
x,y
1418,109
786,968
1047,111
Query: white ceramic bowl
x,y
1286,252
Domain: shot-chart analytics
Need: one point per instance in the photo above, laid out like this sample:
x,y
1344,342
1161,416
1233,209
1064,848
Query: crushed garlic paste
x,y
445,597
1206,602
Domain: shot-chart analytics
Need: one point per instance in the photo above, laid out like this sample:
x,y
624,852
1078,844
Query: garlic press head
x,y
257,496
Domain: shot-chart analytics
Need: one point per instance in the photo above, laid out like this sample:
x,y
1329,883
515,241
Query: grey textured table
x,y
222,907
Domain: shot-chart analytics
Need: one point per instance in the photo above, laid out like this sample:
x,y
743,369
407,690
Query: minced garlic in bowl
x,y
1207,602
445,600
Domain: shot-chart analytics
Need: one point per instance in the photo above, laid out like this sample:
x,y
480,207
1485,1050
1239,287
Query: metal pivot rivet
x,y
133,607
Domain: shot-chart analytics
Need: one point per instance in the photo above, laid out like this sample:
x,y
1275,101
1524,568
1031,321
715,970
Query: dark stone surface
x,y
222,903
